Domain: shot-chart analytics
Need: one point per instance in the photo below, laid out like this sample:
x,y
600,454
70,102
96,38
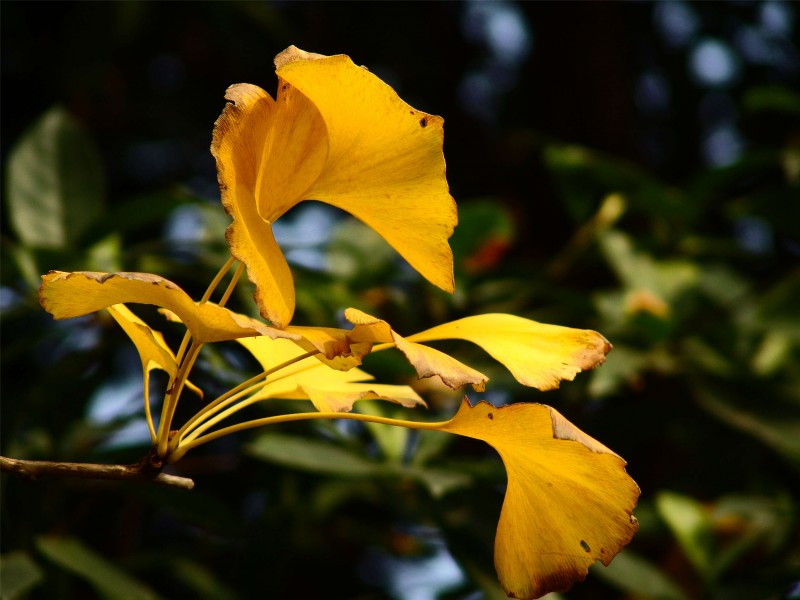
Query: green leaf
x,y
311,455
18,574
636,576
691,526
439,482
55,182
356,252
430,444
105,255
622,368
777,309
200,580
584,177
393,441
109,580
639,271
25,261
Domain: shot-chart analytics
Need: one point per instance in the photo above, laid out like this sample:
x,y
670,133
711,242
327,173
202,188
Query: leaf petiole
x,y
183,448
232,395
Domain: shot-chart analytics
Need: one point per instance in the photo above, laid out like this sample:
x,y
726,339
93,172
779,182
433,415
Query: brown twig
x,y
142,471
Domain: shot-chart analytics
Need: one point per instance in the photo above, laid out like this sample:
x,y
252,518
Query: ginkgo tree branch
x,y
142,471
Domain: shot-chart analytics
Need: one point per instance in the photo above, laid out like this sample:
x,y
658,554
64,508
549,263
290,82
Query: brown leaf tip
x,y
594,352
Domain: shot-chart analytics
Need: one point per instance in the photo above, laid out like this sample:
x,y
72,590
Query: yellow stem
x,y
148,414
215,282
173,394
210,290
207,410
175,385
232,395
234,280
183,448
182,349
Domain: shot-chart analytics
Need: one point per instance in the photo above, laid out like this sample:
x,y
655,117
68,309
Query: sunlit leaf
x,y
339,135
568,503
330,390
427,361
336,347
66,295
153,350
537,354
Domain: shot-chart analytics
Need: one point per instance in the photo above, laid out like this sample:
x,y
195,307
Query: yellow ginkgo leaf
x,y
328,389
153,350
340,135
341,397
537,354
66,295
335,346
568,503
427,361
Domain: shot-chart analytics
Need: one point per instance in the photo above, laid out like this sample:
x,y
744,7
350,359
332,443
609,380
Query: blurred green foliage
x,y
695,280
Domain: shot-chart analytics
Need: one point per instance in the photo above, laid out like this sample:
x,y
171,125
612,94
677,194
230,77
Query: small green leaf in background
x,y
106,255
691,527
635,575
55,182
201,580
18,574
108,579
299,452
440,482
393,441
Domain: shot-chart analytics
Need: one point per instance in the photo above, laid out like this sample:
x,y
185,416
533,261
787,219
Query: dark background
x,y
689,110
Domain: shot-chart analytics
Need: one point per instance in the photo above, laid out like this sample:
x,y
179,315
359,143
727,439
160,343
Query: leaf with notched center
x,y
568,503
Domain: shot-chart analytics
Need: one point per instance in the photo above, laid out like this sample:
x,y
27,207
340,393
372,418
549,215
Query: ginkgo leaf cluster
x,y
336,133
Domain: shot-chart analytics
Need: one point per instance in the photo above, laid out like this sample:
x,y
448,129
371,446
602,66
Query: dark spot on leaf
x,y
491,416
585,546
423,122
